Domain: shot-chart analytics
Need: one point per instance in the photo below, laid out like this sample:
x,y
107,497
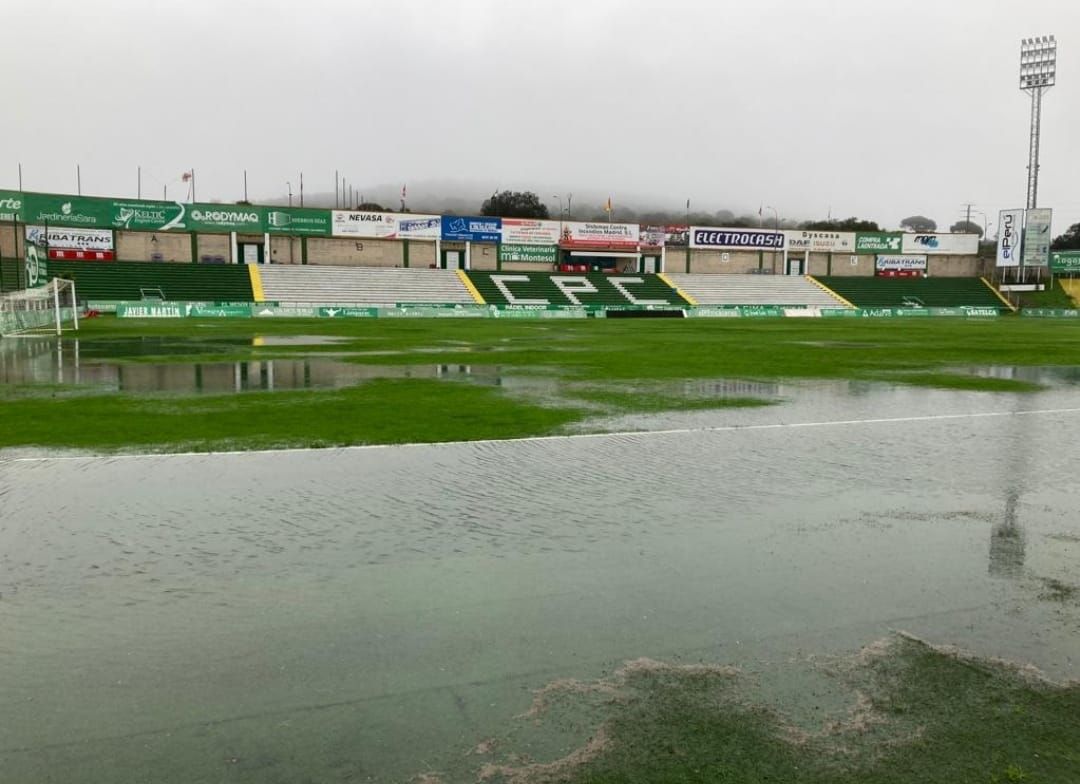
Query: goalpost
x,y
41,309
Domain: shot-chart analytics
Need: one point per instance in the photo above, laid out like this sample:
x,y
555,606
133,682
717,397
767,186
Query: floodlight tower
x,y
1038,68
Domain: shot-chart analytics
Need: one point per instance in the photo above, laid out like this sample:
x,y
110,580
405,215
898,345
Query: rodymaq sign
x,y
735,239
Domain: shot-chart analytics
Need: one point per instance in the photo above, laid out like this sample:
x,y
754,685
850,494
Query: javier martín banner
x,y
1010,230
736,239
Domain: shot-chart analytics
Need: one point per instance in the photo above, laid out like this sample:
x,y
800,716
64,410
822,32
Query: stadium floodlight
x,y
1038,72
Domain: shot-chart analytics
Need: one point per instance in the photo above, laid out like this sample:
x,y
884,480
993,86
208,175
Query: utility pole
x,y
301,189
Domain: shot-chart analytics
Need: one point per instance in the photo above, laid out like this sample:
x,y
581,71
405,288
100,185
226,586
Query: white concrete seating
x,y
723,289
327,285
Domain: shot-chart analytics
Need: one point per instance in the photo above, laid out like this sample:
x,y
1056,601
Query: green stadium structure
x,y
117,280
544,289
900,292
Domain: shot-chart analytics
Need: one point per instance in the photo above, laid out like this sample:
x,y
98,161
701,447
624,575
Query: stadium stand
x,y
539,288
118,280
326,285
881,292
783,290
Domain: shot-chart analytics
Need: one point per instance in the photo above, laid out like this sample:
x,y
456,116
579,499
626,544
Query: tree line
x,y
526,204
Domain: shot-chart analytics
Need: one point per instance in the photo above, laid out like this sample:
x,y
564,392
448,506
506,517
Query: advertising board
x,y
736,239
941,244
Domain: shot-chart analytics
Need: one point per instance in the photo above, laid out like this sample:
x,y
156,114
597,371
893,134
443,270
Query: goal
x,y
45,308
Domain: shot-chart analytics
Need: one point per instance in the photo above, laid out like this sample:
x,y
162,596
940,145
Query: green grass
x,y
1054,297
379,412
967,383
925,716
593,362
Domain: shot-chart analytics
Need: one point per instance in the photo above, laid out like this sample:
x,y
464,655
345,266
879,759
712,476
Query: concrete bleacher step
x,y
362,285
723,289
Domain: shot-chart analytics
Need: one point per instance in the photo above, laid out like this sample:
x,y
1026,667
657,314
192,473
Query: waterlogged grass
x,y
640,350
379,412
607,357
915,714
967,383
652,402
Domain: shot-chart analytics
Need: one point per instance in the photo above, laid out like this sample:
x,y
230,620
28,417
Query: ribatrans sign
x,y
897,262
736,239
1010,229
878,242
1037,237
61,238
11,204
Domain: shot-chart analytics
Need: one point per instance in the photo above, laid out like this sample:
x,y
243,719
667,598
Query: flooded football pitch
x,y
385,613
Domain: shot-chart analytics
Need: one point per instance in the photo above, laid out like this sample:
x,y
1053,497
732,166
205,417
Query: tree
x,y
966,227
1070,240
371,206
514,204
847,224
918,223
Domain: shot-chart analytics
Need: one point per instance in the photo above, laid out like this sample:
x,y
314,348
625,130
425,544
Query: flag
x,y
688,205
403,193
185,177
607,207
759,209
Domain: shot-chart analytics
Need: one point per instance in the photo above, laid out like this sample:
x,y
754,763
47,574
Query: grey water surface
x,y
370,614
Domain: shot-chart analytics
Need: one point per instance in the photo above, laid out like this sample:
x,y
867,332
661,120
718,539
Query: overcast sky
x,y
858,107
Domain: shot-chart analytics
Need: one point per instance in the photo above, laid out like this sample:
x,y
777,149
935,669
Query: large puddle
x,y
374,614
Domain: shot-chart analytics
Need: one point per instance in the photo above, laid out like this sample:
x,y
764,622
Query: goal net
x,y
44,309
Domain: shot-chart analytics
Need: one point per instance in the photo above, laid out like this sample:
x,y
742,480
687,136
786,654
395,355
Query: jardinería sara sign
x,y
736,239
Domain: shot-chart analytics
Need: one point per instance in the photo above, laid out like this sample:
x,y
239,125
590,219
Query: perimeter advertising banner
x,y
900,263
385,225
600,236
1037,237
1010,230
942,244
241,218
67,243
527,231
540,254
11,205
466,229
878,242
148,215
736,239
821,241
59,210
286,220
677,234
1065,261
37,268
653,236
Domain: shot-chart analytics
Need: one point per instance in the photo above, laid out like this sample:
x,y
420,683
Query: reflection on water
x,y
370,614
36,362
